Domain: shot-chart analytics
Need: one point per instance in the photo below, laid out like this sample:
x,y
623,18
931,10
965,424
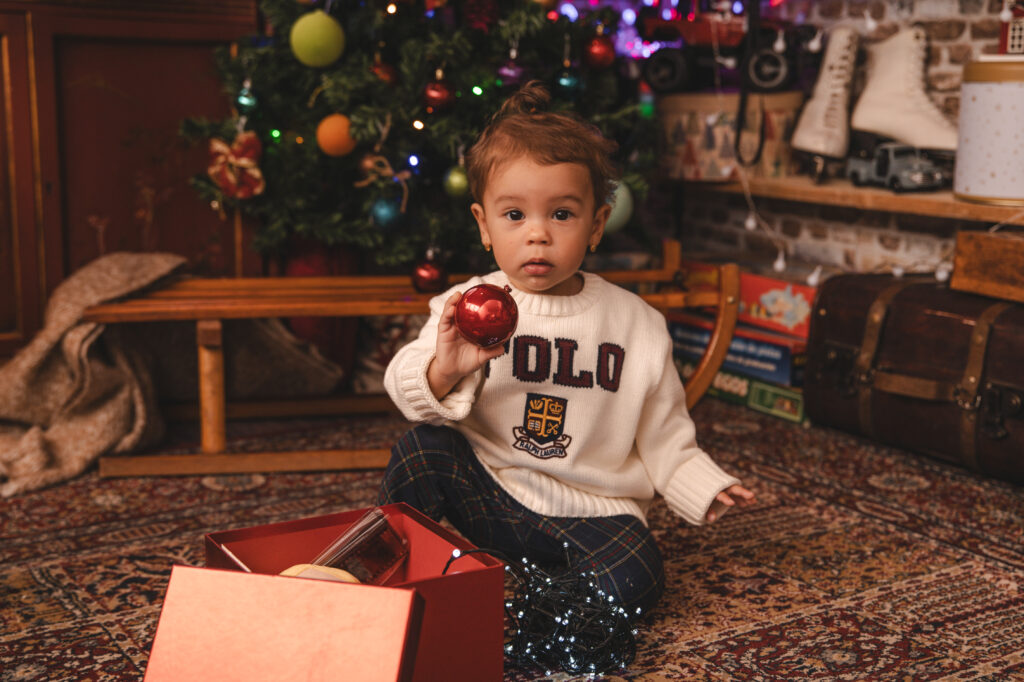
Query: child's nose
x,y
538,233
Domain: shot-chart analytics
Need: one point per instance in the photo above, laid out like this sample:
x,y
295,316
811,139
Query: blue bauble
x,y
386,213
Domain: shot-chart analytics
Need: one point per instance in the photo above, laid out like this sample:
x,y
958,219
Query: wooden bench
x,y
209,301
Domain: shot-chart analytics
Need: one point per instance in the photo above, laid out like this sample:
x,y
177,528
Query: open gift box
x,y
456,635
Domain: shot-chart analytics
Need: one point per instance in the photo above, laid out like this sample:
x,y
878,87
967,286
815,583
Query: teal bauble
x,y
622,208
317,39
386,214
245,101
568,83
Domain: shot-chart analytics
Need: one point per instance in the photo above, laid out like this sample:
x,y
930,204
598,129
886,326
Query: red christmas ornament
x,y
384,71
429,275
599,52
439,95
487,315
235,168
480,14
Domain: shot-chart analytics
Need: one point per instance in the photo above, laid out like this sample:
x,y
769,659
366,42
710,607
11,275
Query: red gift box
x,y
780,302
461,633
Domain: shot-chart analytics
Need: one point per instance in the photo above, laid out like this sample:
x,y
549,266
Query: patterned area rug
x,y
859,562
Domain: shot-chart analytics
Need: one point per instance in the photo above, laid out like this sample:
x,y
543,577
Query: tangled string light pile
x,y
562,620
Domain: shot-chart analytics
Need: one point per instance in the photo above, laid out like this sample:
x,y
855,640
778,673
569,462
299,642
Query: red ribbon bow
x,y
235,168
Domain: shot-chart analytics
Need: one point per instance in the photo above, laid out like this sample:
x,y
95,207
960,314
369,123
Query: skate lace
x,y
839,74
916,83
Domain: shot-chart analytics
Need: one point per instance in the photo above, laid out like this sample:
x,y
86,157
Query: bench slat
x,y
316,304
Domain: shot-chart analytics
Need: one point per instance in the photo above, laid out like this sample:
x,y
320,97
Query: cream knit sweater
x,y
583,415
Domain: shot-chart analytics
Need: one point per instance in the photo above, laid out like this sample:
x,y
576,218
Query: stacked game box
x,y
764,366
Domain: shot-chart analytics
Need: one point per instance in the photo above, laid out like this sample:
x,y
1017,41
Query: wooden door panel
x,y
125,169
20,297
91,98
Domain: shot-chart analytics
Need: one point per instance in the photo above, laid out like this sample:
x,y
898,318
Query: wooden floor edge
x,y
241,463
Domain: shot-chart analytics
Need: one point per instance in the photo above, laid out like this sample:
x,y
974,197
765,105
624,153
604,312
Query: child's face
x,y
540,220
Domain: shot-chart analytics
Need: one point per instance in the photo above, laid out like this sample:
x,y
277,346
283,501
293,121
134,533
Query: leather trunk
x,y
911,363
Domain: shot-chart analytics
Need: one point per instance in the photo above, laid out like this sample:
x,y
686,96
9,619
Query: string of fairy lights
x,y
561,620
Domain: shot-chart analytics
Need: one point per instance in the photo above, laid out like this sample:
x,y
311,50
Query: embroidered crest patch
x,y
541,434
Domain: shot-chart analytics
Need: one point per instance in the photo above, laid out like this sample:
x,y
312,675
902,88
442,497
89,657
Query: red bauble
x,y
487,315
439,95
599,52
429,275
384,71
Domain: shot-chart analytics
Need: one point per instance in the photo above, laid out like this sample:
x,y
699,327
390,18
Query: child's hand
x,y
730,497
455,357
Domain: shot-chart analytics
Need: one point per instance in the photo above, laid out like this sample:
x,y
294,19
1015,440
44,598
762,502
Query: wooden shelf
x,y
842,193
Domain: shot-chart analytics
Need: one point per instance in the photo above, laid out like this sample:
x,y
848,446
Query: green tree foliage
x,y
328,199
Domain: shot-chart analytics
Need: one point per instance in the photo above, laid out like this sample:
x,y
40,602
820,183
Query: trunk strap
x,y
869,346
966,394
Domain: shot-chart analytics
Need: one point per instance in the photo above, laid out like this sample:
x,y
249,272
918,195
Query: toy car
x,y
714,35
899,167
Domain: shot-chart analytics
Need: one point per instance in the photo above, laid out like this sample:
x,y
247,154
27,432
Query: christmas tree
x,y
352,116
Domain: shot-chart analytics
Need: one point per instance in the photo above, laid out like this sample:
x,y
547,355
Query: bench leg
x,y
209,342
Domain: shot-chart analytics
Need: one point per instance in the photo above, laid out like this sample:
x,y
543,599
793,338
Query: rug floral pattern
x,y
859,562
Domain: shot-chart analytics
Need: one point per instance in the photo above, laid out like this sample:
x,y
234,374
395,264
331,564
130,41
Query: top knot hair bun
x,y
531,98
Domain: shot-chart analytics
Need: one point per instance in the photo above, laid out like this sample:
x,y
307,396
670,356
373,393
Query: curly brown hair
x,y
524,127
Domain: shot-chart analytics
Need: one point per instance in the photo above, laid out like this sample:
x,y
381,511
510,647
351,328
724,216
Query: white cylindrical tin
x,y
990,149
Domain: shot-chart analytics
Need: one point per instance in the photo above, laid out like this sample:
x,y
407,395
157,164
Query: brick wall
x,y
852,239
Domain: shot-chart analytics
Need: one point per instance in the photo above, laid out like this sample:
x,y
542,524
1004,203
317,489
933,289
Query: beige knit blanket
x,y
79,390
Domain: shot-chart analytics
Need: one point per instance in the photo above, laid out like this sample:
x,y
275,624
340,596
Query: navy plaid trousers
x,y
433,469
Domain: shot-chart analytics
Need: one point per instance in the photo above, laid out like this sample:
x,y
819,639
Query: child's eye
x,y
562,214
515,214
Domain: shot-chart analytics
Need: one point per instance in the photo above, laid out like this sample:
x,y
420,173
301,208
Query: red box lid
x,y
228,625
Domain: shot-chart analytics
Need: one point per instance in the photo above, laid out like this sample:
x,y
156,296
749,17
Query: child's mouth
x,y
537,267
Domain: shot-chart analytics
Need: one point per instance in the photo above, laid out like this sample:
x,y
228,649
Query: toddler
x,y
561,436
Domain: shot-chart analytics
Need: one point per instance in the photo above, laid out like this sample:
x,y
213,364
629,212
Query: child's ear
x,y
481,222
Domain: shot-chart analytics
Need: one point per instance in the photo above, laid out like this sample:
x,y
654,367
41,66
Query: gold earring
x,y
487,248
593,248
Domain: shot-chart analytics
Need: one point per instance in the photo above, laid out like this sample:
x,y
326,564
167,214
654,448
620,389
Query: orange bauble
x,y
333,135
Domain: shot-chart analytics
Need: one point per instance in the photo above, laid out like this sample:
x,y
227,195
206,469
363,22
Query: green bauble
x,y
622,208
317,39
456,183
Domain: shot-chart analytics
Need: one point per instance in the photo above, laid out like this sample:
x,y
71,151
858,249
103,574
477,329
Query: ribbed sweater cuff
x,y
694,486
420,400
